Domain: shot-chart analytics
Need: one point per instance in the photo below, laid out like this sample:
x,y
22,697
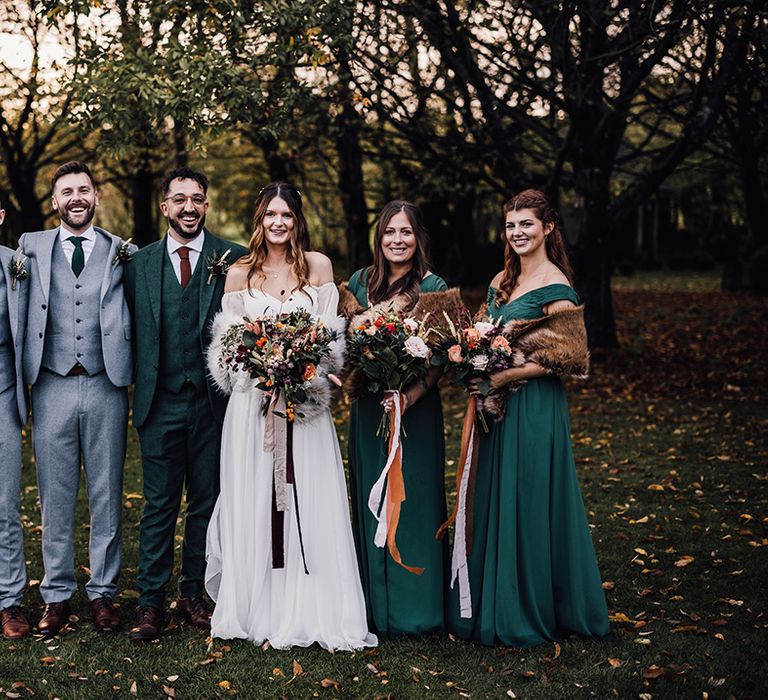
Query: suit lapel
x,y
153,273
110,268
206,290
44,256
13,305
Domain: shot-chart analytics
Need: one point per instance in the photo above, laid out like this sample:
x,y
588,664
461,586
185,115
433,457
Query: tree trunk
x,y
142,203
593,260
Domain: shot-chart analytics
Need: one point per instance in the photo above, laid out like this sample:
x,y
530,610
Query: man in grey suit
x,y
13,415
77,357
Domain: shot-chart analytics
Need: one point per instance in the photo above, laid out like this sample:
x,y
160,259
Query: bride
x,y
292,582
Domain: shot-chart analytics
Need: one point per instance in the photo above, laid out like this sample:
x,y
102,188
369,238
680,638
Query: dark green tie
x,y
78,255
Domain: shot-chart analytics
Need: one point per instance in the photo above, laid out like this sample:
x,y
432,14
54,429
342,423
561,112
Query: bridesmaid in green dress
x,y
398,601
532,570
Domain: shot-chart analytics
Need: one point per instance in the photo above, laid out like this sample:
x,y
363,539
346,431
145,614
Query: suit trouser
x,y
13,573
180,442
81,417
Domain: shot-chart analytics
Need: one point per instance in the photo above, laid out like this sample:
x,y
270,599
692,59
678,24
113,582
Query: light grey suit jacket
x,y
16,299
114,317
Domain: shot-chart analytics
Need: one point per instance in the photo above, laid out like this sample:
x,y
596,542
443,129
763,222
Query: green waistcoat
x,y
181,358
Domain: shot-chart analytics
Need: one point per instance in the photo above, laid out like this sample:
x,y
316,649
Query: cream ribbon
x,y
275,440
459,566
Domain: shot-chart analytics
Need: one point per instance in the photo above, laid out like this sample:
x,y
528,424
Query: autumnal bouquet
x,y
281,354
470,350
390,352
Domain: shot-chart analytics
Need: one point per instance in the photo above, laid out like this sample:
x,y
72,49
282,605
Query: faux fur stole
x,y
319,389
429,308
557,342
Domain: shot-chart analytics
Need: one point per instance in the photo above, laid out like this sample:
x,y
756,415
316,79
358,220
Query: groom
x,y
175,288
13,416
77,357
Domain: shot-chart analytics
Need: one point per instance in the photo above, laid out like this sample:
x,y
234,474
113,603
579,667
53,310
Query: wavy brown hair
x,y
554,242
378,285
299,243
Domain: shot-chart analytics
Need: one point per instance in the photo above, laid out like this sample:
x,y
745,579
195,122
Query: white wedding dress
x,y
254,601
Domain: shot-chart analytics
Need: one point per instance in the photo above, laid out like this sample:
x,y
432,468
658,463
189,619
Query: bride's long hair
x,y
299,243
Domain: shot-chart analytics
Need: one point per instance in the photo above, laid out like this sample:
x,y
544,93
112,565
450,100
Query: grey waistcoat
x,y
73,332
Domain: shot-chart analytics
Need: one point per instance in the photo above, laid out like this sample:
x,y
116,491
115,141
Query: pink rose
x,y
454,354
500,343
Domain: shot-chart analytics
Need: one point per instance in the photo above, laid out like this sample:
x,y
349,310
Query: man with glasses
x,y
174,289
77,357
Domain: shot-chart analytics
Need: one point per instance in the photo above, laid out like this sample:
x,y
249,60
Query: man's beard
x,y
177,226
86,216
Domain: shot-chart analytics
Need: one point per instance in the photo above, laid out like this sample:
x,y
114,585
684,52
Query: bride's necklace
x,y
283,274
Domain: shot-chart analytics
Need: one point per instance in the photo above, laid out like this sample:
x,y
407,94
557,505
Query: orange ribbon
x,y
468,436
396,494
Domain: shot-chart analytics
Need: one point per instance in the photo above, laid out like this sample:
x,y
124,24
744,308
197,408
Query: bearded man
x,y
77,357
174,289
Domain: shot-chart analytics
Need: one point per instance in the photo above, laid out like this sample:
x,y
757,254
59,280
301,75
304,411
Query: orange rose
x,y
500,343
309,372
261,342
472,334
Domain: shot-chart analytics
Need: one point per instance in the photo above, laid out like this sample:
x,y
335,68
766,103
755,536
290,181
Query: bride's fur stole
x,y
319,389
429,307
558,342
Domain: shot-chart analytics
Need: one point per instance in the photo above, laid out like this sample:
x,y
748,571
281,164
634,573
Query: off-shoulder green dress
x,y
399,602
533,571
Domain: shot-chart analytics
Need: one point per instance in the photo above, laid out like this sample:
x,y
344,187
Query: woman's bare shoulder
x,y
496,281
237,278
320,267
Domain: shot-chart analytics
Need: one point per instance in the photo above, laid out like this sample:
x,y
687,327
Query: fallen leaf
x,y
684,561
170,692
226,685
297,669
615,663
330,682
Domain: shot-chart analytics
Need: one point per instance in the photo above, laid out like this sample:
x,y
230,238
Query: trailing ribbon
x,y
278,439
388,516
463,510
275,441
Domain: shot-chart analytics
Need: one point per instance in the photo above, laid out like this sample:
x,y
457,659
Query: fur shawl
x,y
319,389
558,342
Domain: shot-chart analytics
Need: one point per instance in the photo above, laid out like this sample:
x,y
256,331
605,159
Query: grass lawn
x,y
671,440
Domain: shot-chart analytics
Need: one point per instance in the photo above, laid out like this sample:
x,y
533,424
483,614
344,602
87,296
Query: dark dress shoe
x,y
195,611
105,617
15,622
56,615
147,624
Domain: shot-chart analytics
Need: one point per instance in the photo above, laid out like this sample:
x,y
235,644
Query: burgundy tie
x,y
186,269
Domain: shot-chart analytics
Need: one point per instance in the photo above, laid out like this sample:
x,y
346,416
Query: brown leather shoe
x,y
147,624
15,622
195,611
56,615
105,617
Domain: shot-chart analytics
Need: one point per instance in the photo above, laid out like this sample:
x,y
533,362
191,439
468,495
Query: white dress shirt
x,y
88,238
195,246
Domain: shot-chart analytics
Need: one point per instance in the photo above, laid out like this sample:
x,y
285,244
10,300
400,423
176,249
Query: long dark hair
x,y
378,285
299,244
554,242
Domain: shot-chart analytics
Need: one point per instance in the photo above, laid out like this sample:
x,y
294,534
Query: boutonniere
x,y
18,269
216,264
124,253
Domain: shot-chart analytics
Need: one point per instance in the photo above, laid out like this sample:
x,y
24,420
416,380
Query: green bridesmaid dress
x,y
532,571
399,602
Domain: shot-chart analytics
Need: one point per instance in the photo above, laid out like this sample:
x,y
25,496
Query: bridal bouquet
x,y
280,353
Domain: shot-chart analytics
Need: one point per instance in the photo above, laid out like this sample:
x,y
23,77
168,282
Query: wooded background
x,y
645,121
